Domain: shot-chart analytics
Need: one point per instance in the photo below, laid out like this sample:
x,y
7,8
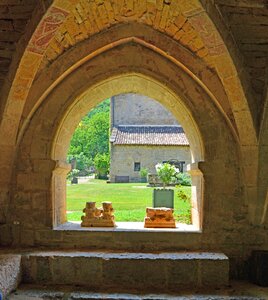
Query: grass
x,y
129,200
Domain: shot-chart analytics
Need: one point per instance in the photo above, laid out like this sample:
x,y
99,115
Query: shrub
x,y
182,195
83,163
186,216
102,165
184,179
73,173
143,172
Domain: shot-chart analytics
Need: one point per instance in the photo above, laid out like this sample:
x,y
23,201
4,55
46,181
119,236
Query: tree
x,y
167,173
104,106
102,165
82,161
91,136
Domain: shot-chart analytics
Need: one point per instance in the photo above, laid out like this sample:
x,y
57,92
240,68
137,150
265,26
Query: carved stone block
x,y
98,217
160,217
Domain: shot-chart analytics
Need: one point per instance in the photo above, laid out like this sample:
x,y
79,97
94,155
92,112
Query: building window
x,y
176,163
137,166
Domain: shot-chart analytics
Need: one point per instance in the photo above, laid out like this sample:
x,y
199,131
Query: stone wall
x,y
180,45
47,137
134,109
123,158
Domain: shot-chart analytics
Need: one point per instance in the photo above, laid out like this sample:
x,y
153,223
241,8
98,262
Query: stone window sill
x,y
128,227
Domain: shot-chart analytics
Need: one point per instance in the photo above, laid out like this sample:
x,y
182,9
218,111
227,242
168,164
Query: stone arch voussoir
x,y
46,135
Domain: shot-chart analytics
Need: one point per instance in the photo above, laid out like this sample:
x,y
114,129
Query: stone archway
x,y
260,208
42,147
127,83
122,84
20,106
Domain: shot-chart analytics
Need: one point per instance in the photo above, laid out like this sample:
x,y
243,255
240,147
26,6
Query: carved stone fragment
x,y
160,217
98,217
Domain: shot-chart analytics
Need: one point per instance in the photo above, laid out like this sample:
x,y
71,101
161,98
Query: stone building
x,y
206,62
143,133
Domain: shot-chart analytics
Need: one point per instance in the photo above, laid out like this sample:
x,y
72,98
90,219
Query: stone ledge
x,y
161,272
237,290
127,226
130,255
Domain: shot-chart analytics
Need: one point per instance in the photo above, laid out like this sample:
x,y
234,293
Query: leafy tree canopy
x,y
102,164
104,106
91,136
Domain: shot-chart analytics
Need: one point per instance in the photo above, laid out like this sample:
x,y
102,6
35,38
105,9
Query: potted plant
x,y
167,173
143,174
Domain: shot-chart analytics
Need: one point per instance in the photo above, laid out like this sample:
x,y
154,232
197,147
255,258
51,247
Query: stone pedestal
x,y
98,217
163,198
160,217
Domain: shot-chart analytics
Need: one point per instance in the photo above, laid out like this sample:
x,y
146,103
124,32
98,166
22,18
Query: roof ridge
x,y
149,135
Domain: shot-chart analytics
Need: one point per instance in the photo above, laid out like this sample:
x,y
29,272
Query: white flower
x,y
158,166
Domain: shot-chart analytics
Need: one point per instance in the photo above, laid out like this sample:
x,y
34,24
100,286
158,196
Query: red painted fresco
x,y
46,30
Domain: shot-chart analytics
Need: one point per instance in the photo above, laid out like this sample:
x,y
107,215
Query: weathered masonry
x,y
204,60
143,133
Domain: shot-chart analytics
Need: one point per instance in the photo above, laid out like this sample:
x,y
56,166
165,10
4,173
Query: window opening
x,y
137,166
106,143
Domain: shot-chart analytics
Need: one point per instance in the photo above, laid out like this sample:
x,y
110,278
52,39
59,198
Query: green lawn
x,y
129,200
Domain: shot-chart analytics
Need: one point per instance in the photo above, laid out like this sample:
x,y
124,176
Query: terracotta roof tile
x,y
148,135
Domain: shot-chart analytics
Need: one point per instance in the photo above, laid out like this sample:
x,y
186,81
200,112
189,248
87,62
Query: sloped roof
x,y
148,135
